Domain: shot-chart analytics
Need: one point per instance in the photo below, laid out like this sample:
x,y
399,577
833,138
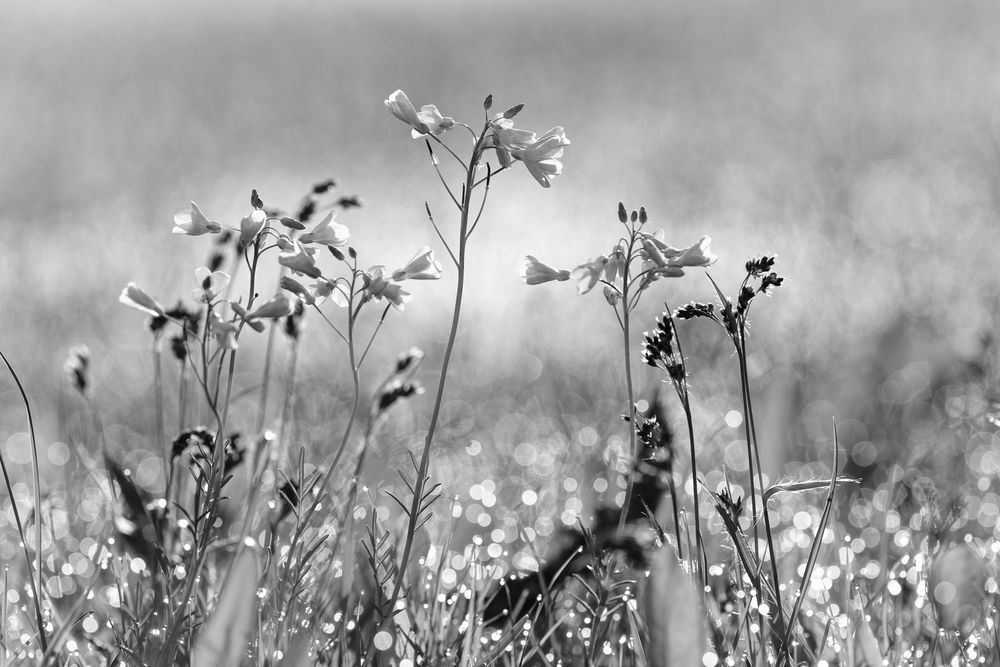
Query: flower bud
x,y
255,201
488,102
513,111
622,214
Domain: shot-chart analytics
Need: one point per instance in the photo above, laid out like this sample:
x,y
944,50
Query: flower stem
x,y
425,456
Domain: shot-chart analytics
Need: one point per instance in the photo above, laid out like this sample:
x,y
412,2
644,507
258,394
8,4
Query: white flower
x,y
210,284
299,260
134,297
589,273
534,272
335,290
427,121
435,122
225,332
540,156
251,225
699,254
378,288
328,233
194,223
506,138
422,267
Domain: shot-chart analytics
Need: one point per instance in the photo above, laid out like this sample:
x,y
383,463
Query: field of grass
x,y
860,146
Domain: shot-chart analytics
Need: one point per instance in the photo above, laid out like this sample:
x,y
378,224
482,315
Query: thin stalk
x,y
36,582
626,339
685,396
751,432
424,465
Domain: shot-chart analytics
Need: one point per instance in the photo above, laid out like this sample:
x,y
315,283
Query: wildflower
x,y
77,367
328,233
395,391
534,272
409,360
540,156
211,284
298,259
134,297
506,138
421,267
378,287
194,222
225,332
251,225
335,290
615,268
427,121
588,274
278,306
698,254
611,295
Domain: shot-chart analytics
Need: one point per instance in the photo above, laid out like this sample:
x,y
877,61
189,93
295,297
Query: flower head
x,y
540,156
224,332
427,121
210,284
507,138
300,260
251,225
134,297
589,273
335,290
328,232
297,288
423,266
378,287
534,272
194,223
698,254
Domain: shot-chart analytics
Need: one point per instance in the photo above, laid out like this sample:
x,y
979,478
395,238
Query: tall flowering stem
x,y
623,289
540,155
416,505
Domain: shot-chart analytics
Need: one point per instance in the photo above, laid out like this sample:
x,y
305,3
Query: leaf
x,y
866,649
675,615
224,637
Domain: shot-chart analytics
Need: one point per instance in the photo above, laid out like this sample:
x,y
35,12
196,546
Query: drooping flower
x,y
423,266
194,223
426,121
328,232
210,284
534,272
540,156
133,296
588,274
300,260
251,225
335,290
378,288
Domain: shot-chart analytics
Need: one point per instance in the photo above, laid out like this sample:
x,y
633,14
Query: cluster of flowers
x,y
539,154
657,258
298,255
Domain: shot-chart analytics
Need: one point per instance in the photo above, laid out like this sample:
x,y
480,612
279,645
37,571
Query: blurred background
x,y
859,144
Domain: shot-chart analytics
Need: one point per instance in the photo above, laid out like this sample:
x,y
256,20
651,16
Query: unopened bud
x,y
488,102
622,214
513,111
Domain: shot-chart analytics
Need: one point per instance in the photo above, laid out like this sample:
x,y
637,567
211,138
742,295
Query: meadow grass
x,y
272,519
